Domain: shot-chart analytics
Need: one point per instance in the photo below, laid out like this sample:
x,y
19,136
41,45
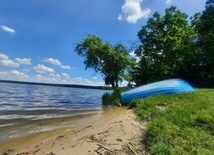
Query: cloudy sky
x,y
37,37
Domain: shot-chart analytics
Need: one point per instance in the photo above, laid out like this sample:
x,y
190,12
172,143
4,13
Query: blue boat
x,y
170,86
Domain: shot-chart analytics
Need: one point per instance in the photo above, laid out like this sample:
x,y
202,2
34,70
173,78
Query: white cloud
x,y
13,75
120,18
55,75
38,76
45,74
82,81
53,61
66,75
41,78
66,67
3,57
5,61
8,29
40,68
9,63
18,73
2,74
124,83
94,77
132,54
168,1
48,79
56,62
68,80
132,11
25,61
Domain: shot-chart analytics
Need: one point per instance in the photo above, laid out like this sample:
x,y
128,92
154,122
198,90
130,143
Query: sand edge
x,y
116,132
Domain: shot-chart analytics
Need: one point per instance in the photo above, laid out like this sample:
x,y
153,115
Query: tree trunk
x,y
113,85
116,79
117,83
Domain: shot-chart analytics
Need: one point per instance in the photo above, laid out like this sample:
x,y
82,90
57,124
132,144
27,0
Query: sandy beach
x,y
117,131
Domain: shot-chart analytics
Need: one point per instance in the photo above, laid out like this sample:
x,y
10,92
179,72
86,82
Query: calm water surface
x,y
27,109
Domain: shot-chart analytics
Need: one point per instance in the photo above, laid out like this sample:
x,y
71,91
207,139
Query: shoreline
x,y
57,85
26,128
116,131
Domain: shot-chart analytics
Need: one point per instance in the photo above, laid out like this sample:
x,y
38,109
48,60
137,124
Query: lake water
x,y
27,109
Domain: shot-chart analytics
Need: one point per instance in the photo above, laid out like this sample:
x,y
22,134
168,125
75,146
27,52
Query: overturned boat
x,y
170,86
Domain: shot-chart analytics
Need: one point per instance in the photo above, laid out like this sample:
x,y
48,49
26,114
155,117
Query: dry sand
x,y
117,132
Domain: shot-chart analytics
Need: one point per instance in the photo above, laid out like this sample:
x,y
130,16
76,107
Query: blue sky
x,y
37,37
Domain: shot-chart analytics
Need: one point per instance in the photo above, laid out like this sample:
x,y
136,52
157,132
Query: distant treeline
x,y
58,85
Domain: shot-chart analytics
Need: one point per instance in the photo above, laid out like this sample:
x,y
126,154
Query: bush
x,y
112,98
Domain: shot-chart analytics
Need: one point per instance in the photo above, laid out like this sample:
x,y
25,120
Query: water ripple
x,y
22,104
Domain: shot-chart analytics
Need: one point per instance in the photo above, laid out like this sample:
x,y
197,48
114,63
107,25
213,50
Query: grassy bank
x,y
179,124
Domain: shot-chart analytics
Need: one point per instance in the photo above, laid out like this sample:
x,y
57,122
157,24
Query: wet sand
x,y
117,131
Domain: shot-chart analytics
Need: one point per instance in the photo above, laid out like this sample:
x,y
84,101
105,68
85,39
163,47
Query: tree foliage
x,y
166,48
110,61
204,29
172,47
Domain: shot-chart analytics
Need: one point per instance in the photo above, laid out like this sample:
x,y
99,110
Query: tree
x,y
140,72
110,61
167,46
204,27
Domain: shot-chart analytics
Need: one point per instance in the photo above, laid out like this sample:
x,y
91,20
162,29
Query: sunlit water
x,y
27,109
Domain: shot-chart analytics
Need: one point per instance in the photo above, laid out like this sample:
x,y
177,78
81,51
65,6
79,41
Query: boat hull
x,y
170,86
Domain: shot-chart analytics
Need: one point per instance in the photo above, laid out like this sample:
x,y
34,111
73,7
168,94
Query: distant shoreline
x,y
58,85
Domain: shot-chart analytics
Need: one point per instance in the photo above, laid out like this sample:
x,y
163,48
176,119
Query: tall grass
x,y
112,98
179,124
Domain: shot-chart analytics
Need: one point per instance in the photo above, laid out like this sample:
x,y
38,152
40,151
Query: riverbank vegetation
x,y
111,98
180,123
114,97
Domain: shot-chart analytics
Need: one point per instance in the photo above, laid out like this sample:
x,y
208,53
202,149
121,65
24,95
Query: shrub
x,y
112,98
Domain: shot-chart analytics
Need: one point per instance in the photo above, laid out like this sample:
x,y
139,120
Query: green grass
x,y
179,124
